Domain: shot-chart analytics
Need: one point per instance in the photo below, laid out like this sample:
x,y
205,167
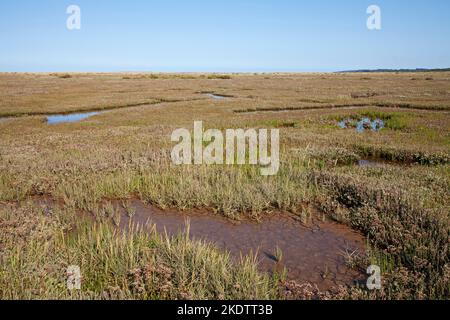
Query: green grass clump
x,y
333,156
231,190
281,124
392,120
62,75
402,155
219,76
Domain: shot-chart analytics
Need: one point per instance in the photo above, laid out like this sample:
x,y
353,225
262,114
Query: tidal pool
x,y
314,253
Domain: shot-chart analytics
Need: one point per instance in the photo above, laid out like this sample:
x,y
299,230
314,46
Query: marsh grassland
x,y
60,184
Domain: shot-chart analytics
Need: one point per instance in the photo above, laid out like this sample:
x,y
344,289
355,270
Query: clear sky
x,y
223,35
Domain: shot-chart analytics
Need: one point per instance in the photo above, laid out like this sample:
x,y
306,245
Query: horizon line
x,y
362,70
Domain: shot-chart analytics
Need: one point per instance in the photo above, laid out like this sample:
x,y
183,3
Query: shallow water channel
x,y
371,163
216,96
74,117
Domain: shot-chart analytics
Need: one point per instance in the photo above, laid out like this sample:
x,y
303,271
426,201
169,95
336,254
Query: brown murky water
x,y
314,254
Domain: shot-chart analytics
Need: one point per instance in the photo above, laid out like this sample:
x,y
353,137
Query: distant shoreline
x,y
395,70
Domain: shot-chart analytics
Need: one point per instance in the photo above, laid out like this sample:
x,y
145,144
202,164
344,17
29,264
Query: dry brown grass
x,y
51,93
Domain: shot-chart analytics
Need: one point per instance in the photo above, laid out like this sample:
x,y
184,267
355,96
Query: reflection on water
x,y
343,124
363,124
69,117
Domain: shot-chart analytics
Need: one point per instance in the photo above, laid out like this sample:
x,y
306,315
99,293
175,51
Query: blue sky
x,y
225,35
